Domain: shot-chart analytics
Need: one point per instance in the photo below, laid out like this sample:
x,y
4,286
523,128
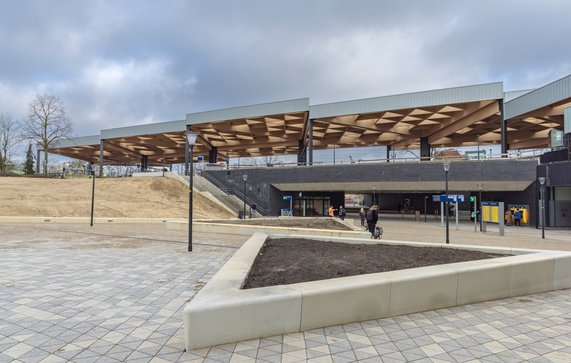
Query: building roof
x,y
532,115
450,117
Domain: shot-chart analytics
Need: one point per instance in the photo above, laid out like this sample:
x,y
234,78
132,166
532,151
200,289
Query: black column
x,y
301,152
424,149
186,150
144,162
388,152
213,155
310,142
38,160
101,157
504,129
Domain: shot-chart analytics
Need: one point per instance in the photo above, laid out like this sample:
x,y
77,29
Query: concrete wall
x,y
222,312
260,181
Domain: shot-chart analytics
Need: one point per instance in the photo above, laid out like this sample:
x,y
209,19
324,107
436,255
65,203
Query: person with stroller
x,y
372,216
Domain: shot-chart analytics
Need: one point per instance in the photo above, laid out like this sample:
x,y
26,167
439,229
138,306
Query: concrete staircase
x,y
207,192
231,202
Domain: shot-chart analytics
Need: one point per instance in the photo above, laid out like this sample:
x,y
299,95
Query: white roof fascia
x,y
76,142
251,111
146,129
538,98
510,95
446,96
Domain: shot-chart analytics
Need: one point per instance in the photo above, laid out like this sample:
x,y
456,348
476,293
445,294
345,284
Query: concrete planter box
x,y
82,220
222,312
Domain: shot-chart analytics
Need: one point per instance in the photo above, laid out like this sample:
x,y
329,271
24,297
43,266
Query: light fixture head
x,y
541,180
446,165
245,177
191,137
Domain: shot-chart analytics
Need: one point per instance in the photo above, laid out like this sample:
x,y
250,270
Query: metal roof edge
x,y
256,110
470,93
145,129
77,141
540,97
512,95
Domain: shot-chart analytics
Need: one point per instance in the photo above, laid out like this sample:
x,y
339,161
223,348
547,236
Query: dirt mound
x,y
303,222
291,260
156,197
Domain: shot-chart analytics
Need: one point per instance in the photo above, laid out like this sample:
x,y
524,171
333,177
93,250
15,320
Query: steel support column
x,y
38,160
504,129
213,155
388,153
186,150
424,149
101,149
301,152
144,162
310,142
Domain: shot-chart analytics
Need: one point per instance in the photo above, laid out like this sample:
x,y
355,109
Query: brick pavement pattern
x,y
70,295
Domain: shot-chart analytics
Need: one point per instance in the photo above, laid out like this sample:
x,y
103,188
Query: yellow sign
x,y
490,213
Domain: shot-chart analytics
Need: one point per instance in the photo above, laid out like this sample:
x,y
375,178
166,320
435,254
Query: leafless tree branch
x,y
8,139
47,123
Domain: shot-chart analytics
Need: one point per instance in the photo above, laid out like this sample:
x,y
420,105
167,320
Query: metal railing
x,y
233,191
513,155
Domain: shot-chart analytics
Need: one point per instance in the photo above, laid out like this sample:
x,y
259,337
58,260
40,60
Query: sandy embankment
x,y
119,197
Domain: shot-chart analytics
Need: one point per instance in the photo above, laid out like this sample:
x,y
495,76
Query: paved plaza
x,y
115,293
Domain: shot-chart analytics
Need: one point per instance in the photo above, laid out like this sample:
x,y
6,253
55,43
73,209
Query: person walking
x,y
342,213
372,217
362,215
331,212
517,217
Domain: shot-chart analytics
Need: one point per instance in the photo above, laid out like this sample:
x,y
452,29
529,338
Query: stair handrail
x,y
232,191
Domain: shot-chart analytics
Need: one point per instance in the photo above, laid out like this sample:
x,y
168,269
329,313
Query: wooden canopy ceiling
x,y
443,125
531,130
452,125
257,136
166,148
84,152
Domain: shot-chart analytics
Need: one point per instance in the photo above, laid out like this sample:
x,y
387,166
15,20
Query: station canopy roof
x,y
452,117
531,116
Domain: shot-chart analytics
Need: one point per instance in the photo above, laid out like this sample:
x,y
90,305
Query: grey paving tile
x,y
113,292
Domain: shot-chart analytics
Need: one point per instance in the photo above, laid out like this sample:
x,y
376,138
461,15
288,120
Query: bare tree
x,y
268,160
47,123
8,139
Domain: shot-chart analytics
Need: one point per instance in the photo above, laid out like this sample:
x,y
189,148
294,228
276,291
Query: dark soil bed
x,y
315,223
291,260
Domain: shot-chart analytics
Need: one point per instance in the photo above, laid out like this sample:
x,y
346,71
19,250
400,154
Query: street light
x,y
191,140
542,183
92,172
446,165
425,198
245,177
480,206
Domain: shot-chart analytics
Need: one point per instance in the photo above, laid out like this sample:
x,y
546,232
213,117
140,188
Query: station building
x,y
470,116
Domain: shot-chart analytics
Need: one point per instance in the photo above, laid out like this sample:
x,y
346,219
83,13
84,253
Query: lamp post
x,y
480,206
542,183
191,140
425,198
446,165
92,172
244,177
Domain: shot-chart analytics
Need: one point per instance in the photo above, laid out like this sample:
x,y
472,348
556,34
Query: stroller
x,y
377,232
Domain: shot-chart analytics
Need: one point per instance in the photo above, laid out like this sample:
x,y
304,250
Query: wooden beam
x,y
489,110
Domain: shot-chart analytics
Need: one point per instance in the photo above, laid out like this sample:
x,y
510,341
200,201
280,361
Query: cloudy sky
x,y
118,63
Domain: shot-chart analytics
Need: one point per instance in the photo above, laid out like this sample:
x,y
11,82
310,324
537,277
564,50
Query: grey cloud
x,y
120,63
